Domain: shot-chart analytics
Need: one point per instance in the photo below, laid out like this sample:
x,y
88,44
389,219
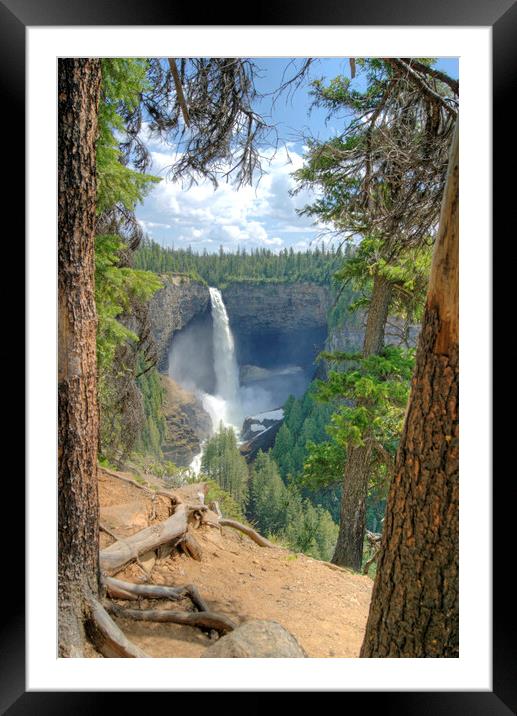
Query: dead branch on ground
x,y
252,534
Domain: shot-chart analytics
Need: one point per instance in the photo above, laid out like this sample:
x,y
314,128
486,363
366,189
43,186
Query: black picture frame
x,y
501,16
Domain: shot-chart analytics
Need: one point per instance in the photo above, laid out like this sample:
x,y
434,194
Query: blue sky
x,y
259,216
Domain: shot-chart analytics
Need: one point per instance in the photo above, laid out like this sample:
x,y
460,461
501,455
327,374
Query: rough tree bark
x,y
377,316
414,609
78,96
349,546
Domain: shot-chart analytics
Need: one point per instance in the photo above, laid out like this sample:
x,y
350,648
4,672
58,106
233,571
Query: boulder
x,y
256,640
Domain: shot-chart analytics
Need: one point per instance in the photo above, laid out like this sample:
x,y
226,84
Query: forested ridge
x,y
375,421
262,266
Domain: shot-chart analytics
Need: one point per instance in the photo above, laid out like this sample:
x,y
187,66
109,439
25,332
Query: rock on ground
x,y
257,639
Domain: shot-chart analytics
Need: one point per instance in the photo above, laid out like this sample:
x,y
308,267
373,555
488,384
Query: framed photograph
x,y
481,41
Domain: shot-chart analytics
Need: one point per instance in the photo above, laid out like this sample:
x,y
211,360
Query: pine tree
x,y
282,450
415,602
376,181
78,508
223,463
266,506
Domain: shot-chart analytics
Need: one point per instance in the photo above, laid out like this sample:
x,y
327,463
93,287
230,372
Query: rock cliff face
x,y
281,306
273,324
188,424
172,308
277,324
350,336
259,432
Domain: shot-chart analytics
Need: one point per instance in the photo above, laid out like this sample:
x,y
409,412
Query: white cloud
x,y
147,225
263,215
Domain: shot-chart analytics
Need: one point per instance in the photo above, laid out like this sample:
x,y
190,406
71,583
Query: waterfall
x,y
225,406
195,465
225,363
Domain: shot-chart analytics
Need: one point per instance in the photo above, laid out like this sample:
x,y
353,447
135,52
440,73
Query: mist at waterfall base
x,y
203,359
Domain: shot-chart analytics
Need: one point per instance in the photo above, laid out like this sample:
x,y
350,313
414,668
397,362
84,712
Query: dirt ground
x,y
323,607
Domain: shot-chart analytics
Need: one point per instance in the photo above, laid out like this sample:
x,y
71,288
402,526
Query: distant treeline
x,y
261,265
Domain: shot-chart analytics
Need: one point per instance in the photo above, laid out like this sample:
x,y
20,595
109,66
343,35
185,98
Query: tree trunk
x,y
78,562
349,546
377,316
414,610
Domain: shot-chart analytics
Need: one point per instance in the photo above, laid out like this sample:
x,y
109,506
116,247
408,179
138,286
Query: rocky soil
x,y
324,607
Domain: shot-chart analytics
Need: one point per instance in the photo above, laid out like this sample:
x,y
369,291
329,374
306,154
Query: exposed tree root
x,y
126,590
336,567
252,534
214,506
107,636
206,620
191,547
105,529
111,473
176,530
150,490
147,488
117,555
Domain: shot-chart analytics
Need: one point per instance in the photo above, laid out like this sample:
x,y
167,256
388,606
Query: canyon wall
x,y
273,324
277,323
172,308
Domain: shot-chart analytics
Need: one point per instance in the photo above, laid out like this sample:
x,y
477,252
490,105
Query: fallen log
x,y
249,531
118,554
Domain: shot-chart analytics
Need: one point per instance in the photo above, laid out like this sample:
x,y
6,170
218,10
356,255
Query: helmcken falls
x,y
225,362
225,406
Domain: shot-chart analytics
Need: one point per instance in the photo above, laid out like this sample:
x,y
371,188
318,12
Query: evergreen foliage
x,y
305,419
123,81
267,495
258,265
308,528
369,401
380,182
383,174
117,290
305,424
279,511
311,445
223,463
407,272
154,426
227,504
372,397
127,416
